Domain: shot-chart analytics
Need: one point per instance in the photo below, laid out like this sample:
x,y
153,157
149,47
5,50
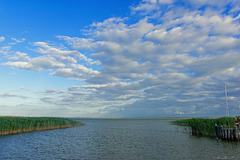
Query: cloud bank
x,y
172,62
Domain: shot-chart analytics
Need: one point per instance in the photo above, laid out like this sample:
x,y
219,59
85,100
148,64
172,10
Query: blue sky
x,y
134,58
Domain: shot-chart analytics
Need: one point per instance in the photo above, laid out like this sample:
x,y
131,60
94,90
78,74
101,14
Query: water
x,y
116,140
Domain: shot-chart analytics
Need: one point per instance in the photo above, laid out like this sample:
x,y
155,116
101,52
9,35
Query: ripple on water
x,y
115,139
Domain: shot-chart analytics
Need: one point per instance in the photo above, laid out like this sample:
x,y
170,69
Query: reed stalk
x,y
14,125
206,127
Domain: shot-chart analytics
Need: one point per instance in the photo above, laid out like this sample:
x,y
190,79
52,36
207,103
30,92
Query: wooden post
x,y
235,133
227,134
216,131
221,131
228,130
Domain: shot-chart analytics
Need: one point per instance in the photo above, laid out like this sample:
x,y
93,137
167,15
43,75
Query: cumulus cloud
x,y
59,60
148,6
164,61
18,56
78,71
61,54
173,60
37,64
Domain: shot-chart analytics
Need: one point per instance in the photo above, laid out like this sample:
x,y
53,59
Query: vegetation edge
x,y
206,126
15,125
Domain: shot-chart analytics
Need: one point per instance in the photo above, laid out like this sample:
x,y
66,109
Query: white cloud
x,y
10,95
110,23
52,91
36,64
45,63
22,65
18,56
18,40
67,72
224,43
5,49
121,32
60,53
59,60
78,71
179,112
173,60
2,39
165,1
46,49
78,43
147,5
158,61
216,65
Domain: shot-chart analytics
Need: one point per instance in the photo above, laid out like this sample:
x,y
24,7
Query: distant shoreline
x,y
123,118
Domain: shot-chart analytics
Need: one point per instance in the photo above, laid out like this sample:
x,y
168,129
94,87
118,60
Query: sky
x,y
111,58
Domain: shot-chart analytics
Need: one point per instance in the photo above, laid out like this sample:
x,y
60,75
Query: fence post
x,y
216,131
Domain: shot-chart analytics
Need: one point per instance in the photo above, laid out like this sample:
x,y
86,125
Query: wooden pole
x,y
222,133
216,131
235,133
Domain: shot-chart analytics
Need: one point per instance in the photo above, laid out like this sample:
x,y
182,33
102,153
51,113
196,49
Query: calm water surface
x,y
116,140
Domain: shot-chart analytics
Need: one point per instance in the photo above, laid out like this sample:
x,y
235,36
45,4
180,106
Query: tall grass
x,y
206,127
13,125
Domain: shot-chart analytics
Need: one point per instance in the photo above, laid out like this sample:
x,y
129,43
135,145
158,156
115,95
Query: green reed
x,y
13,125
206,127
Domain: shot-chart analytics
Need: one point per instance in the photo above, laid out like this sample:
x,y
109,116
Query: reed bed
x,y
206,127
14,125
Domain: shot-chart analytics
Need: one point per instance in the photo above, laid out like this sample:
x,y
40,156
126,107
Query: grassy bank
x,y
14,125
206,127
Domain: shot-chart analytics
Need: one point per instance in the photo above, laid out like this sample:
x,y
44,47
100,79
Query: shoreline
x,y
17,125
205,126
174,118
37,130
